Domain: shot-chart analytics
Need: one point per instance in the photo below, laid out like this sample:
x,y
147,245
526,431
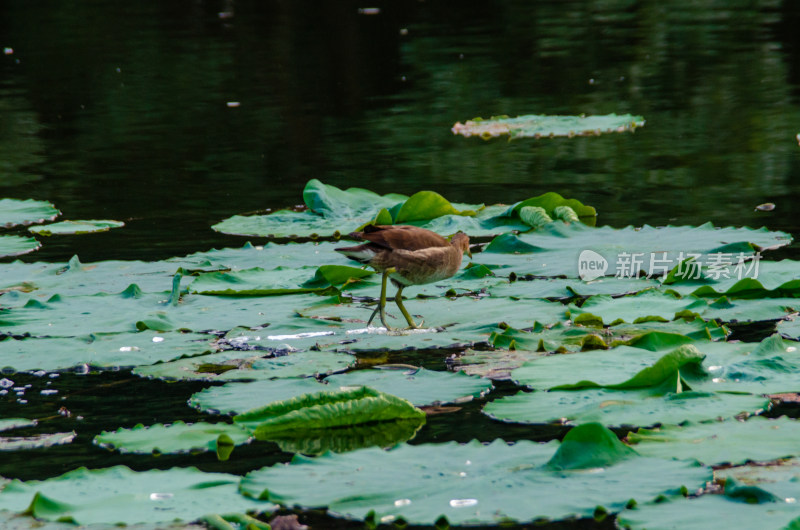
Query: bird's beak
x,y
469,252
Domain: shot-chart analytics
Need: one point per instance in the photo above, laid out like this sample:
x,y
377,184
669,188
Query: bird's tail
x,y
360,253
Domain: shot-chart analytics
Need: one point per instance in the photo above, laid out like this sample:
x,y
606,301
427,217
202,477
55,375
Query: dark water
x,y
121,110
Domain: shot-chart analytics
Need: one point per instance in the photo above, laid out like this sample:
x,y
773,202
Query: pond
x,y
174,116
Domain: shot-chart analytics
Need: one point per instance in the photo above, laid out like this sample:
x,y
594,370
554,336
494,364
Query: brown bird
x,y
409,255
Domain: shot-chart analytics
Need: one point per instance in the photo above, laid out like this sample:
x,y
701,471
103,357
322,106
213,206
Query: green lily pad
x,y
325,410
479,314
239,366
641,307
743,310
544,126
790,328
15,212
177,437
236,398
344,439
76,278
330,201
100,350
494,364
256,282
418,386
568,250
333,212
117,495
768,367
716,443
37,441
134,310
621,368
16,245
13,521
550,201
569,288
666,306
571,337
76,227
428,483
756,278
645,407
709,511
15,423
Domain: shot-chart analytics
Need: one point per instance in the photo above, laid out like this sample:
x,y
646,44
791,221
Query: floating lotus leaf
x,y
117,495
570,337
334,212
665,306
475,317
15,423
494,364
749,279
239,366
743,310
790,328
544,126
133,310
177,437
418,386
326,410
550,202
270,255
38,441
68,316
344,439
330,201
709,511
422,206
558,249
644,407
640,307
13,521
76,278
16,245
25,212
101,350
771,478
76,227
768,367
256,282
622,368
235,398
716,443
568,288
471,483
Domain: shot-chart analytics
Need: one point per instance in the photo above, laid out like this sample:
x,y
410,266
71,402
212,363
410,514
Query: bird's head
x,y
461,240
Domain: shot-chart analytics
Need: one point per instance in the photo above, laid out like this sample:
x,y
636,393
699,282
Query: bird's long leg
x,y
382,302
398,298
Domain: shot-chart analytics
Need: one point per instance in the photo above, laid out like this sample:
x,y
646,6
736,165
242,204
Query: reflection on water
x,y
122,111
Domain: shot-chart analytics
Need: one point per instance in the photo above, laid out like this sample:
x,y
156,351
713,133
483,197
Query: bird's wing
x,y
402,237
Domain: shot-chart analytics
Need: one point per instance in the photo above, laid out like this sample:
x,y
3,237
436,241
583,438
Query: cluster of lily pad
x,y
277,332
32,214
